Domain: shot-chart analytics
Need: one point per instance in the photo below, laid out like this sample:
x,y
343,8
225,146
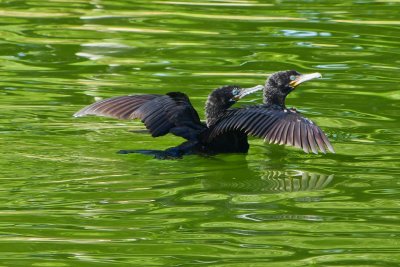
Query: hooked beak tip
x,y
304,78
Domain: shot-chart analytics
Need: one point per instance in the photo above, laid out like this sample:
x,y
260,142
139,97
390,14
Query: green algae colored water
x,y
67,198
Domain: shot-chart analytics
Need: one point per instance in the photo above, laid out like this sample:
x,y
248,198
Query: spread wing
x,y
161,114
284,127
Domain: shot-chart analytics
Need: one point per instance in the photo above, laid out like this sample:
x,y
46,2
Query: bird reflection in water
x,y
271,171
281,181
273,181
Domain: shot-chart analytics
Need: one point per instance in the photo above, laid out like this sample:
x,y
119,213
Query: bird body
x,y
174,113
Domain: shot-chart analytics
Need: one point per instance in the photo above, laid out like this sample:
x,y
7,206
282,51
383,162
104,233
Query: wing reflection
x,y
277,181
271,177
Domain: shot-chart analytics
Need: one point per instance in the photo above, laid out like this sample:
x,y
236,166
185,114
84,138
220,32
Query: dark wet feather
x,y
268,126
319,140
103,107
250,120
258,125
279,132
297,136
284,133
326,141
304,140
278,126
160,113
311,141
239,120
290,134
272,133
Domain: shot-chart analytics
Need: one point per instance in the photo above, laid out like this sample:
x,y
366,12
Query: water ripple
x,y
67,198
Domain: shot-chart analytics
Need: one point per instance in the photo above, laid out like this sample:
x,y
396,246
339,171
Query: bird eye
x,y
235,91
292,77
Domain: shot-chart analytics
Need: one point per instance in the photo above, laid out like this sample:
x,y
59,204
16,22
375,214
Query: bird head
x,y
224,97
227,95
281,83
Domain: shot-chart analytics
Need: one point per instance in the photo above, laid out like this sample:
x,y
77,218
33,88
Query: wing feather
x,y
258,128
284,127
284,133
279,132
311,140
239,120
326,141
273,132
319,140
106,106
160,113
251,121
290,140
116,108
268,126
304,141
297,135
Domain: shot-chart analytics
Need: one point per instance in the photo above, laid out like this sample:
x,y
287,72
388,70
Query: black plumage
x,y
272,121
160,113
226,129
173,113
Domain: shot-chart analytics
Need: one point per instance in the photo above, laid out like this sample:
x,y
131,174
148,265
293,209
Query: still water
x,y
67,198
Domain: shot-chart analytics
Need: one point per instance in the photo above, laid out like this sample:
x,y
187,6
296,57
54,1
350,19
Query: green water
x,y
67,198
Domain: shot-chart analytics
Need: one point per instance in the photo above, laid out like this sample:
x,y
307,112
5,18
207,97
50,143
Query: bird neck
x,y
278,101
215,109
273,97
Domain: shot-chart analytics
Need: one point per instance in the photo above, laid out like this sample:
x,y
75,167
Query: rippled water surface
x,y
67,198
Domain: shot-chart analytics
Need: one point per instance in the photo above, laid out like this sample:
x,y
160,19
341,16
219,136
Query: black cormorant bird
x,y
272,120
173,113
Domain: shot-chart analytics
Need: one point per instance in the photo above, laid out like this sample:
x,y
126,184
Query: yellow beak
x,y
303,78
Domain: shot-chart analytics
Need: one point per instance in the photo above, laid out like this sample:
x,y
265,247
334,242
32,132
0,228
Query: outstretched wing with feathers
x,y
161,114
284,127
